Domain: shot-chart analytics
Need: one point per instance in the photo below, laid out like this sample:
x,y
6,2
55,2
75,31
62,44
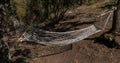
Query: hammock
x,y
37,35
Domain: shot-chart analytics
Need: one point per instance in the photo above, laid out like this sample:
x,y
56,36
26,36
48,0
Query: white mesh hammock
x,y
64,38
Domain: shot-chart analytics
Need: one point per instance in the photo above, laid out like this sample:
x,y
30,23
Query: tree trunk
x,y
117,25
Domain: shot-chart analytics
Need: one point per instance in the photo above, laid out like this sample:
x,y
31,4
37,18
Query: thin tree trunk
x,y
117,25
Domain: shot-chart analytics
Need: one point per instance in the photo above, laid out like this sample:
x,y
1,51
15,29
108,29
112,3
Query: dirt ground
x,y
85,51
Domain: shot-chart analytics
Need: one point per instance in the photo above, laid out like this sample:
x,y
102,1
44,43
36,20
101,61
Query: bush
x,y
45,10
52,10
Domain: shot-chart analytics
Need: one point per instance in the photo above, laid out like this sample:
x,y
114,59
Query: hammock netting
x,y
40,36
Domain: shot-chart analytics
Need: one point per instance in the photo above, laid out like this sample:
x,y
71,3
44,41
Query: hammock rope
x,y
39,36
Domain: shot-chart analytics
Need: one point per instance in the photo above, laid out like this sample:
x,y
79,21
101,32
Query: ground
x,y
83,52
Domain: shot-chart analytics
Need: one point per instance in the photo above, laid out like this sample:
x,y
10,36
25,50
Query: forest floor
x,y
83,52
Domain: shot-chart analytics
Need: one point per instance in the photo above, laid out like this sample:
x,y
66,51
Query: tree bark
x,y
117,25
